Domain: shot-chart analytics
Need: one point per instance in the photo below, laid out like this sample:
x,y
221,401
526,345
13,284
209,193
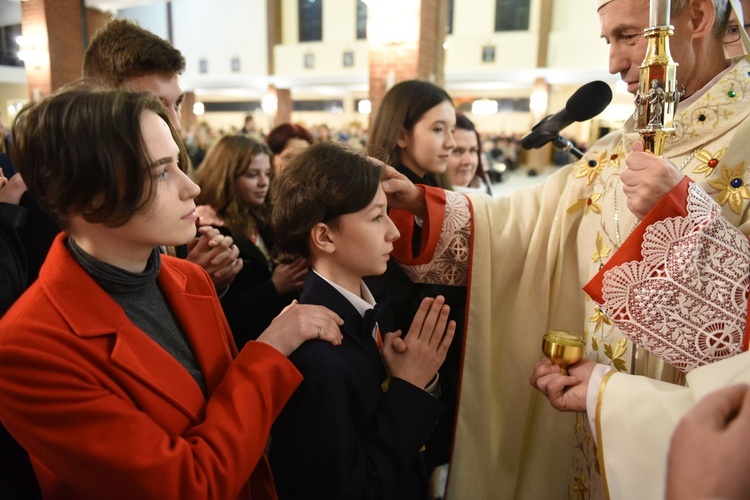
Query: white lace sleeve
x,y
450,264
686,302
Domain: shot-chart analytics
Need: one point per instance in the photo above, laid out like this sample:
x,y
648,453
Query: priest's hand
x,y
565,392
709,455
401,192
647,179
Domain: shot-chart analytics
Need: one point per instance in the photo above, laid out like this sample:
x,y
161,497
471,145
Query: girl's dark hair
x,y
280,135
319,184
225,162
402,107
81,151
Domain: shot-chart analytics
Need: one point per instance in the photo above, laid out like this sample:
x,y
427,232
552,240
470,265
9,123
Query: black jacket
x,y
252,302
341,436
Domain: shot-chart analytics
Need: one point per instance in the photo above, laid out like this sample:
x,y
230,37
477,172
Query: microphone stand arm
x,y
567,146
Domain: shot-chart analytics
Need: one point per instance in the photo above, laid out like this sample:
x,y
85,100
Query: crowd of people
x,y
303,314
498,153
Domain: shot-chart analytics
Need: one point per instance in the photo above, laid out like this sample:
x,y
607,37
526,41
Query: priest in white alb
x,y
527,256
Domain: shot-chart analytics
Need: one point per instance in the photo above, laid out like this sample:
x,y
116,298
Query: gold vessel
x,y
563,348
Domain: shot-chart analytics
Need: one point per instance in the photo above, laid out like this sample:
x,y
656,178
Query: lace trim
x,y
450,264
686,302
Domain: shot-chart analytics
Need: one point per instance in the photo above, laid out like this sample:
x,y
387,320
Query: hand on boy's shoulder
x,y
300,322
416,358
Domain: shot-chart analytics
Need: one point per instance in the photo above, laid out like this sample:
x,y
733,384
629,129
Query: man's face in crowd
x,y
165,87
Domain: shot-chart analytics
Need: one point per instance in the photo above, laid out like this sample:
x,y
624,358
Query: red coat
x,y
105,412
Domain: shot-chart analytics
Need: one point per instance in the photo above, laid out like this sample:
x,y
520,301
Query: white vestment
x,y
526,258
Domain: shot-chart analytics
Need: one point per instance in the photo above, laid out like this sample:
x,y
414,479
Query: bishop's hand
x,y
564,392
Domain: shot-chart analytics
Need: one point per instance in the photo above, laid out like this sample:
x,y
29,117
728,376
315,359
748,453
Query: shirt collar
x,y
361,304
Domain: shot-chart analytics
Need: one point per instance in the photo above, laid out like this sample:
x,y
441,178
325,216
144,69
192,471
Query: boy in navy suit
x,y
356,425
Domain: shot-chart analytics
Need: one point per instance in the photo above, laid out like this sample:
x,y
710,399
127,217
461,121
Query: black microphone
x,y
584,104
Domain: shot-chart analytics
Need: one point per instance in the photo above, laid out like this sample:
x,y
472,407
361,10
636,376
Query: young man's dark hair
x,y
123,50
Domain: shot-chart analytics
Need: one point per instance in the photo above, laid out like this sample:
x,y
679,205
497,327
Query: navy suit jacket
x,y
340,435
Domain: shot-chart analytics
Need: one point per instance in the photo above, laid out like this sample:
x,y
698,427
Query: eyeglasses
x,y
733,32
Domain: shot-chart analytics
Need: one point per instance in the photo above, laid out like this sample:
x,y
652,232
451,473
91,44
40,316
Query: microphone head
x,y
588,101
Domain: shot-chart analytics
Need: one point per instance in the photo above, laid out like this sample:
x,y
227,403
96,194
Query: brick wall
x,y
60,22
65,34
424,61
34,24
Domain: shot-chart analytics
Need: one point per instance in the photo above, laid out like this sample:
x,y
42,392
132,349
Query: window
x,y
511,15
310,20
329,106
361,20
223,106
8,45
504,105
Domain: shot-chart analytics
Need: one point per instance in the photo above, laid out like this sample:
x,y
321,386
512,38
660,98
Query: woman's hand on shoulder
x,y
298,323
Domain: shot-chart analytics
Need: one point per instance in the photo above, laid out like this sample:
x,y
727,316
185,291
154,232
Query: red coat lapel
x,y
91,312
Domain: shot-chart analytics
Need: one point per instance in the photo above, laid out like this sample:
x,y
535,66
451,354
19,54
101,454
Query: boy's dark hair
x,y
224,164
320,183
280,135
81,151
122,50
402,107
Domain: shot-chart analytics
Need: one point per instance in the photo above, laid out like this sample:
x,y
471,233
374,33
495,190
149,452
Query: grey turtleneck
x,y
144,304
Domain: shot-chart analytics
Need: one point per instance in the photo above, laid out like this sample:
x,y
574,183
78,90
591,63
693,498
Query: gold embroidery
x,y
708,161
731,187
591,169
599,318
616,156
587,204
579,486
616,354
602,250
